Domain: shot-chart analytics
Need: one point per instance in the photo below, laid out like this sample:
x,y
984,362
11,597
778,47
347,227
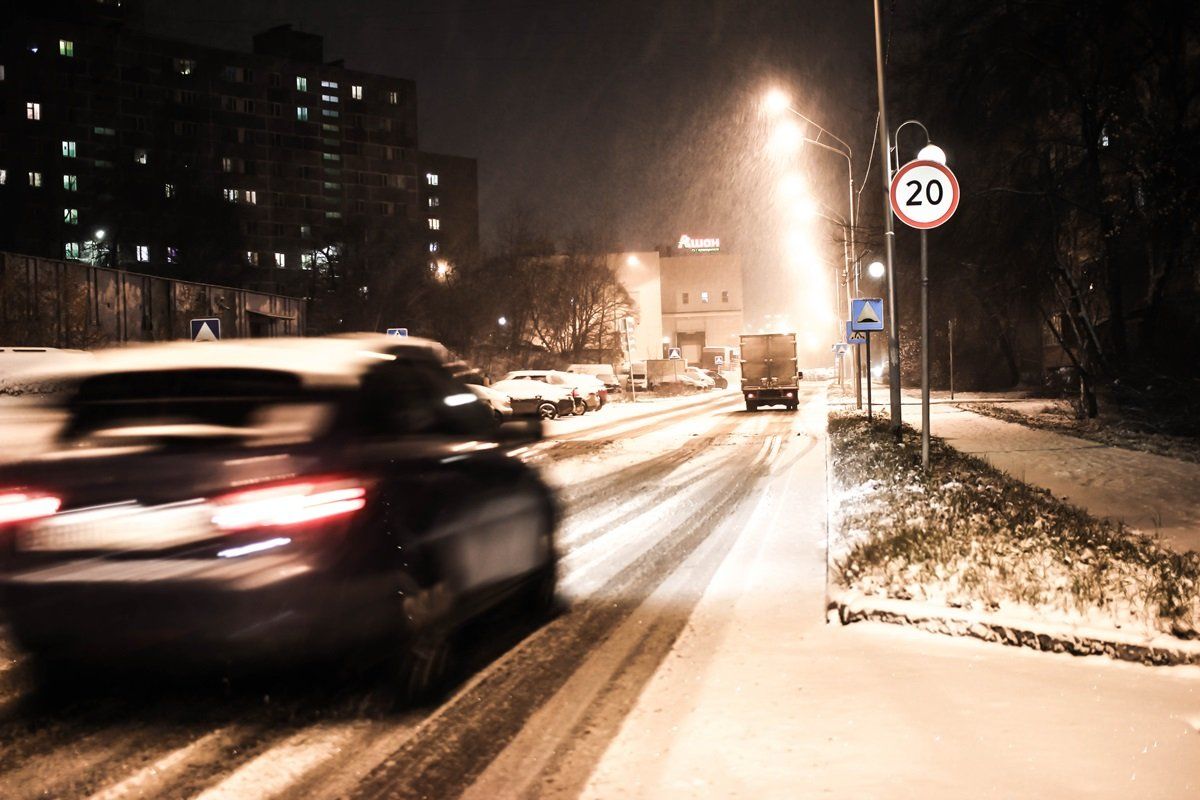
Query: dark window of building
x,y
685,298
724,297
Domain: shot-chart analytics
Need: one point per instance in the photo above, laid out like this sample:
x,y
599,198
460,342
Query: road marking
x,y
139,782
284,764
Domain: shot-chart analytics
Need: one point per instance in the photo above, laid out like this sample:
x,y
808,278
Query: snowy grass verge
x,y
1056,417
970,537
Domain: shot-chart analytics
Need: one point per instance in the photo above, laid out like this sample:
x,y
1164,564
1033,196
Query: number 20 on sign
x,y
924,194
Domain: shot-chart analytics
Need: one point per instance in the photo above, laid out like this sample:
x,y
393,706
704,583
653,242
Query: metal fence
x,y
50,303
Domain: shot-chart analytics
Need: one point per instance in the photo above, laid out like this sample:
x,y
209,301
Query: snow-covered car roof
x,y
527,390
320,362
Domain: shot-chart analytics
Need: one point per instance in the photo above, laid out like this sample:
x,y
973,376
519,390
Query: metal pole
x,y
869,410
889,236
924,354
951,324
629,350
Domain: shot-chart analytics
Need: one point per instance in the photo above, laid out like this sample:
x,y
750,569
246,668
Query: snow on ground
x,y
1154,494
760,698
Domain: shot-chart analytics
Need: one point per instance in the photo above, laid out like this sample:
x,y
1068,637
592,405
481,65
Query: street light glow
x,y
931,152
776,101
502,321
100,233
786,138
633,261
876,269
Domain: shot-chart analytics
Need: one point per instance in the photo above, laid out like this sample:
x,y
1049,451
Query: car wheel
x,y
423,666
548,410
580,408
539,597
751,406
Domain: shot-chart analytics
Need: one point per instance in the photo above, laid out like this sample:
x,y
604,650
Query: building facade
x,y
450,208
133,151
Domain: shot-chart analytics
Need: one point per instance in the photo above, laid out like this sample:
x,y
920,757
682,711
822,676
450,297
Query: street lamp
x,y
100,234
502,321
876,269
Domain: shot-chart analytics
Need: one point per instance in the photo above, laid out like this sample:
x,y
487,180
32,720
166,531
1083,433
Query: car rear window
x,y
219,397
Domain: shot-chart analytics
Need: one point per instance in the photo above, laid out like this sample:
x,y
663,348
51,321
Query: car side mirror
x,y
519,431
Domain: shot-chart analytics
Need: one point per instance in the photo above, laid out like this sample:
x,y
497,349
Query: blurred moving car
x,y
592,393
700,377
530,398
498,402
719,380
280,499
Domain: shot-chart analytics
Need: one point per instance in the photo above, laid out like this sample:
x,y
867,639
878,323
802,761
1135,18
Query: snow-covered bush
x,y
969,535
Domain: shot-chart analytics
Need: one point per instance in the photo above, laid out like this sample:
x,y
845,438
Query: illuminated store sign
x,y
699,245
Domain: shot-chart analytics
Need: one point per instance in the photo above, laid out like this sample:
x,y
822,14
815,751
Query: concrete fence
x,y
50,303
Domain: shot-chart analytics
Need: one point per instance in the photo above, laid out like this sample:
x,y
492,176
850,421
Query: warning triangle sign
x,y
866,315
205,334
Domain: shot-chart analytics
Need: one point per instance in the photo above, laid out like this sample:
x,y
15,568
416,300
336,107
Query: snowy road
x,y
693,660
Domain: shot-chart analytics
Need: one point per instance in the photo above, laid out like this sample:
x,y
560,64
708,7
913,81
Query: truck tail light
x,y
17,505
288,504
751,395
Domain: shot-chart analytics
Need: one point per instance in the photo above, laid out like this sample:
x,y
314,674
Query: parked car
x,y
700,377
592,394
498,402
530,398
602,372
267,501
718,379
637,376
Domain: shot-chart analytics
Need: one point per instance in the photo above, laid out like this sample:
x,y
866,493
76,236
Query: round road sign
x,y
924,194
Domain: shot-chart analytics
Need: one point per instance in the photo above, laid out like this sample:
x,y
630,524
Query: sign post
x,y
866,315
924,194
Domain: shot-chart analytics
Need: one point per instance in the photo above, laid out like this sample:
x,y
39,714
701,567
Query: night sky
x,y
632,120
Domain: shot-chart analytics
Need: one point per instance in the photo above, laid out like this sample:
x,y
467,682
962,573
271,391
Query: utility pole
x,y
951,324
889,236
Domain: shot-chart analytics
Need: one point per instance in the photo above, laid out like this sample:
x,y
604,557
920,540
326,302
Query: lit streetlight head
x,y
100,234
786,138
502,321
666,340
876,269
931,152
633,261
776,101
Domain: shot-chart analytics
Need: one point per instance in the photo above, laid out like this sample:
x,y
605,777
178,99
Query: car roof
x,y
328,361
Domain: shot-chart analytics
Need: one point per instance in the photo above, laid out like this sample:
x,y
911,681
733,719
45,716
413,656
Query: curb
x,y
977,626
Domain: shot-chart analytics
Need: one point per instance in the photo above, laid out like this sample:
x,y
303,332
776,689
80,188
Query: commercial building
x,y
129,150
689,296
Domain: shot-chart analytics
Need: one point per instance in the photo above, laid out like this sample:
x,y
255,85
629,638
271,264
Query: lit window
x,y
434,202
431,178
435,224
185,66
3,177
333,215
301,84
143,253
231,195
302,113
329,112
307,260
33,110
685,298
329,84
704,297
71,250
70,183
66,48
169,189
280,260
35,179
306,231
226,164
172,255
104,131
71,216
330,98
724,297
68,148
251,197
356,92
1,72
433,247
393,97
252,258
140,156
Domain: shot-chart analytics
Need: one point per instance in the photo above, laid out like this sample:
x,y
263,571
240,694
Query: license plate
x,y
121,527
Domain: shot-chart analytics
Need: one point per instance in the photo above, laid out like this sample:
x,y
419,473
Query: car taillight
x,y
289,504
21,506
574,393
750,395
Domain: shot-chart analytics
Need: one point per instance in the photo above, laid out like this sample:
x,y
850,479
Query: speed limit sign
x,y
924,194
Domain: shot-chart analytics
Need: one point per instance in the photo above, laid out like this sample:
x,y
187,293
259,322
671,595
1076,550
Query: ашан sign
x,y
699,245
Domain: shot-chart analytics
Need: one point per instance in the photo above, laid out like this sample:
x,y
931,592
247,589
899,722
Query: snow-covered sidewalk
x,y
1154,494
